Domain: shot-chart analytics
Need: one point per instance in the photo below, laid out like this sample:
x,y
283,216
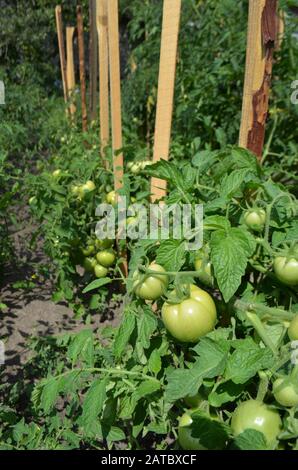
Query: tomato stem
x,y
259,327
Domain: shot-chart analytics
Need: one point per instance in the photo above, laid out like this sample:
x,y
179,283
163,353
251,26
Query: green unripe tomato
x,y
255,219
154,286
286,270
203,267
87,188
100,271
106,258
89,264
285,393
194,401
192,318
186,440
75,190
293,329
32,201
111,198
104,244
253,414
89,250
56,173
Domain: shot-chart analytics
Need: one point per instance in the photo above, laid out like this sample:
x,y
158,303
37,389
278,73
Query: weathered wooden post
x,y
261,40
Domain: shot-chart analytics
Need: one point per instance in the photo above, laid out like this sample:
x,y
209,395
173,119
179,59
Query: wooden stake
x,y
81,45
102,30
70,67
115,87
93,66
166,84
114,58
261,39
59,23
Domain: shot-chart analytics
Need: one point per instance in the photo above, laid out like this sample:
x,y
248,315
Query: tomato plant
x,y
186,440
293,329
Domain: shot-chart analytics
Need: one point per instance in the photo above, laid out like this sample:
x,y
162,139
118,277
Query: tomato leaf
x,y
212,434
147,324
96,284
212,360
230,251
94,401
171,254
250,439
123,334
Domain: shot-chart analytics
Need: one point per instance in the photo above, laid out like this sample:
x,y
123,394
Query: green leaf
x,y
247,360
250,439
171,254
231,183
94,401
49,394
216,222
211,363
123,334
212,434
147,324
204,159
146,388
230,251
97,284
224,393
168,171
154,363
82,347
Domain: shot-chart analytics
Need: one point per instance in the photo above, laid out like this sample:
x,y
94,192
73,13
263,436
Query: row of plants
x,y
205,354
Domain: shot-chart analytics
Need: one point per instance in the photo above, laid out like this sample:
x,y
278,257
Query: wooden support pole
x,y
70,67
166,84
261,40
93,58
80,23
115,89
61,43
102,31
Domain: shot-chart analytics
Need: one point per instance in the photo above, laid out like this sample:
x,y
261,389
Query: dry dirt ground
x,y
30,311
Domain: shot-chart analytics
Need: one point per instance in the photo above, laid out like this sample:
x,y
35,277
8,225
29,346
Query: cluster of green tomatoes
x,y
99,257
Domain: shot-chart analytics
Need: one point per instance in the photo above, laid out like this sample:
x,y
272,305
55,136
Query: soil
x,y
30,311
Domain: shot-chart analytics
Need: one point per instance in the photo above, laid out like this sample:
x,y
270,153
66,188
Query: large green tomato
x,y
192,318
293,329
285,393
255,219
286,270
100,271
253,414
154,286
56,173
106,258
186,440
